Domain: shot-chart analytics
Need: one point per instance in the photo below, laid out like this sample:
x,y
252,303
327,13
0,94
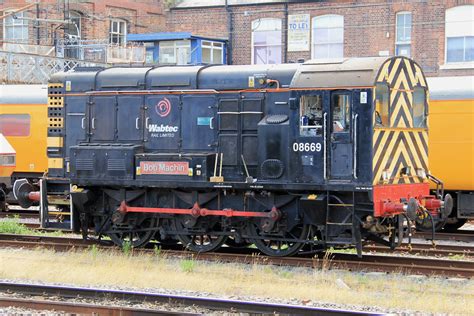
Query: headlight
x,y
386,175
420,172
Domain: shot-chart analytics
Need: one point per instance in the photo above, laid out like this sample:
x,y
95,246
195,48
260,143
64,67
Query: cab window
x,y
419,107
340,113
15,124
382,104
311,115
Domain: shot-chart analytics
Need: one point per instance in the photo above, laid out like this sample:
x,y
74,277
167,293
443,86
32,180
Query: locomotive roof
x,y
23,94
451,88
351,72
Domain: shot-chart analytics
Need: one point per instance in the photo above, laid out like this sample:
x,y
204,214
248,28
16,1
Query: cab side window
x,y
382,102
341,111
419,107
311,115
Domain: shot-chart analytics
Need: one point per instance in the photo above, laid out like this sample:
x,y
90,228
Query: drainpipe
x,y
285,36
37,24
230,31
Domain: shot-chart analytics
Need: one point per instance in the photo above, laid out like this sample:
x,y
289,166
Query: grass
x,y
187,265
12,225
127,248
96,267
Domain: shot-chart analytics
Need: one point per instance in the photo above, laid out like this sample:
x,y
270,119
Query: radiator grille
x,y
84,164
116,165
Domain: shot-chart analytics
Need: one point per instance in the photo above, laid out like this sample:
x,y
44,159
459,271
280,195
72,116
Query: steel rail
x,y
204,302
460,235
424,249
82,308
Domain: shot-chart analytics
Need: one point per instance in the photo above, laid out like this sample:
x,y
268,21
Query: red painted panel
x,y
396,192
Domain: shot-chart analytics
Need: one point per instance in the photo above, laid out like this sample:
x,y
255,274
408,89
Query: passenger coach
x,y
276,155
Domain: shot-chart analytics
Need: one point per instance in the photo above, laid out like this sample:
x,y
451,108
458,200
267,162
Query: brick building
x,y
72,21
439,35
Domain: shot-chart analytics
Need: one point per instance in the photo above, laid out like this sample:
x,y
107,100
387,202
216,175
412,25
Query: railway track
x,y
136,297
460,235
369,262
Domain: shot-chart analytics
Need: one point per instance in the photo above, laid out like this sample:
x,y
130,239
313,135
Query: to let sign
x,y
298,32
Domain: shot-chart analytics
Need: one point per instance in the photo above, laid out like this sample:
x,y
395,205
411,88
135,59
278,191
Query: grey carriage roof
x,y
451,88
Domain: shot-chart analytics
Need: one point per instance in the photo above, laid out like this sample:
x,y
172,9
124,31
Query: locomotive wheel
x,y
136,239
279,248
199,242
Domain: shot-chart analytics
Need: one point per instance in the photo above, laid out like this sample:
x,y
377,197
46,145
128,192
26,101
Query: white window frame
x,y
326,20
117,32
175,45
405,42
212,46
74,15
459,22
9,21
266,25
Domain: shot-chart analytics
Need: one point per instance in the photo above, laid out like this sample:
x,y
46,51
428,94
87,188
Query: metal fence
x,y
16,68
100,51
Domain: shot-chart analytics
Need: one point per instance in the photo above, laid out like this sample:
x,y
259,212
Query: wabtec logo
x,y
155,128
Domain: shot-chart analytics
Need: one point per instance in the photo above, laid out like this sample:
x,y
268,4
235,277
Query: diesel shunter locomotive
x,y
309,155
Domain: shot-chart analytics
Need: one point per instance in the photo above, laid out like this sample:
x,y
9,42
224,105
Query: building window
x,y
328,37
266,41
118,31
73,28
212,52
15,124
15,29
175,52
460,34
403,37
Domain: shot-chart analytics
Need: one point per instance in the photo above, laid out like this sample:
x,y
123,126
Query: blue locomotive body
x,y
276,155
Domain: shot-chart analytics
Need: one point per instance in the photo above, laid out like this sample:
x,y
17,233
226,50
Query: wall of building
x,y
141,17
369,28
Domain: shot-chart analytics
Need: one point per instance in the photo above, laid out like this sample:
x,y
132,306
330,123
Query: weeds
x,y
127,247
13,226
457,256
187,265
94,251
157,250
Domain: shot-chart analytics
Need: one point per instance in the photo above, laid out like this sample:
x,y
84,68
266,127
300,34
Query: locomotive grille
x,y
55,129
116,165
84,164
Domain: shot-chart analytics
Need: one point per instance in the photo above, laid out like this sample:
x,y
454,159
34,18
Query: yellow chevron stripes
x,y
400,145
397,149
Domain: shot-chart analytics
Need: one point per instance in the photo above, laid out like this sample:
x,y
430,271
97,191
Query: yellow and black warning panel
x,y
400,137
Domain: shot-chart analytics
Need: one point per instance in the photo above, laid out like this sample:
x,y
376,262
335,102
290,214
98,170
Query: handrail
x,y
355,145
